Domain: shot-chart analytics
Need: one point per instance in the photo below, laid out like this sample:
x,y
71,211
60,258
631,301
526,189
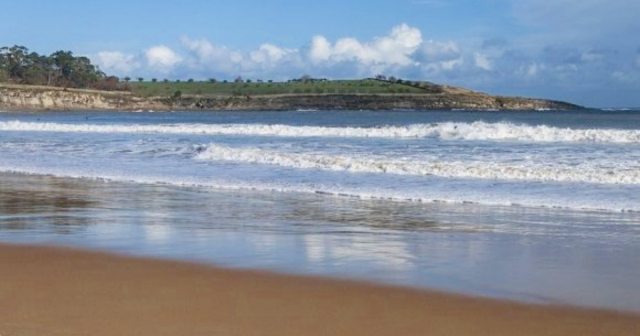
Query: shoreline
x,y
63,291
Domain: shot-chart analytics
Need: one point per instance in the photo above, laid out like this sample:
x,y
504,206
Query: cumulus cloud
x,y
402,51
117,62
204,51
436,51
534,68
162,58
482,61
394,49
270,54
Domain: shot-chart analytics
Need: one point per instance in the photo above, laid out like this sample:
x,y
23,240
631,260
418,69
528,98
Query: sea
x,y
533,206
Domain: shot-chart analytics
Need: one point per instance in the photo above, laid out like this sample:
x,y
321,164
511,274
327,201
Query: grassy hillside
x,y
209,89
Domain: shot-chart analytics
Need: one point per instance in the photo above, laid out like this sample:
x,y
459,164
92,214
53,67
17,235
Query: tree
x,y
238,79
190,80
4,75
154,80
140,79
37,70
212,80
82,73
110,83
127,79
16,57
61,68
63,64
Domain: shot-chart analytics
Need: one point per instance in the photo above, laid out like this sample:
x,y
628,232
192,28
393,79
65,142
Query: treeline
x,y
21,66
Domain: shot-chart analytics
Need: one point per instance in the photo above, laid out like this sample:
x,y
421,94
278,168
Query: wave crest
x,y
478,131
453,169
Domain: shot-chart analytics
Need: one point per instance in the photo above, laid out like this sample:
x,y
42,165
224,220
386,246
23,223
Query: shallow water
x,y
533,255
538,206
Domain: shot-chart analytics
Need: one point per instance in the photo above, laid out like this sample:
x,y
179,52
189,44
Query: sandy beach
x,y
53,291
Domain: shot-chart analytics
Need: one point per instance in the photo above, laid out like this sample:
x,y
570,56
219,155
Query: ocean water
x,y
540,206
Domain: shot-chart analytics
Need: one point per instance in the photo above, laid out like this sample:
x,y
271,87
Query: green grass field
x,y
365,86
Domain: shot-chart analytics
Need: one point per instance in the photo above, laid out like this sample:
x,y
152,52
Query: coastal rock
x,y
39,98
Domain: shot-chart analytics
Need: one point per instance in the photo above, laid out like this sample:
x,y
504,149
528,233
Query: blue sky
x,y
583,51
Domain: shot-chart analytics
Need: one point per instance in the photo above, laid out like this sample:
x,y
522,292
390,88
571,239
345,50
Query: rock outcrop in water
x,y
38,98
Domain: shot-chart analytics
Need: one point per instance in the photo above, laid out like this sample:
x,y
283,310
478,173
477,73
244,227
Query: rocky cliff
x,y
41,98
34,98
366,102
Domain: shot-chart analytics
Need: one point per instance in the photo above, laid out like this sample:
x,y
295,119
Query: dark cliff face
x,y
366,102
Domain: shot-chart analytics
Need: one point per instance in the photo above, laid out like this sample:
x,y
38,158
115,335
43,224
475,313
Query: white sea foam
x,y
480,131
615,109
587,173
334,190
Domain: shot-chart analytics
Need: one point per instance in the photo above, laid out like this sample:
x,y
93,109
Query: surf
x,y
460,131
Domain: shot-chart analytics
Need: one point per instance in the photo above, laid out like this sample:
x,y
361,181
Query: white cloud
x,y
436,56
534,68
162,58
592,56
115,62
320,50
624,77
401,51
393,49
204,50
205,56
440,51
270,54
482,62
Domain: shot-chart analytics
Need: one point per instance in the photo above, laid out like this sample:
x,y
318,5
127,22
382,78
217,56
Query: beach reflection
x,y
539,255
30,204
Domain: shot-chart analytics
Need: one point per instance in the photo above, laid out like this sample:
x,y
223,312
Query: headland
x,y
366,94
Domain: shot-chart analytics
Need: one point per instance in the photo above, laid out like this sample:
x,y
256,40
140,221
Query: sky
x,y
582,51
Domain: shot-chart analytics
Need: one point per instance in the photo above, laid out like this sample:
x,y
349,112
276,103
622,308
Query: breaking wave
x,y
460,169
479,131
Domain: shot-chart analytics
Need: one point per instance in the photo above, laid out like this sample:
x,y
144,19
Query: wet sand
x,y
53,291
